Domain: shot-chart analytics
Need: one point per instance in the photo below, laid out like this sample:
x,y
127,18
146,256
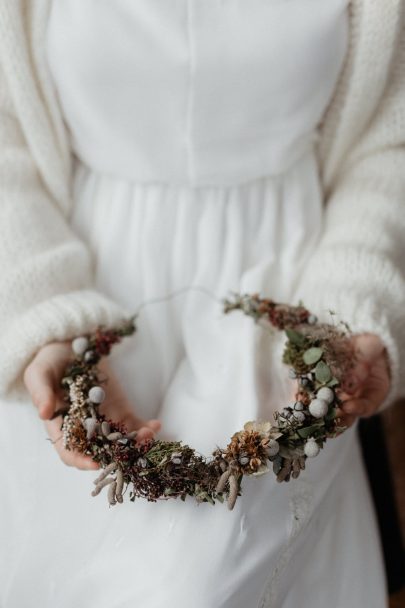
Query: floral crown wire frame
x,y
318,355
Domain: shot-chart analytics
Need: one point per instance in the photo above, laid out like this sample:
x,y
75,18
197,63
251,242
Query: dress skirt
x,y
193,124
310,542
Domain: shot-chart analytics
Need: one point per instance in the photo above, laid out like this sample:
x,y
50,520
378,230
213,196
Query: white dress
x,y
193,123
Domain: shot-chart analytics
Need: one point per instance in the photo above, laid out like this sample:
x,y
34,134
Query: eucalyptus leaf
x,y
333,382
331,415
312,355
295,337
322,372
308,431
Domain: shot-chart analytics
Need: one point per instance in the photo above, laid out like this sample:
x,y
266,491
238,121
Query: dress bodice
x,y
194,91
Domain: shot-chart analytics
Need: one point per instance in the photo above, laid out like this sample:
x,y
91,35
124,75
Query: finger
x,y
143,434
356,379
39,382
358,406
148,429
154,424
368,347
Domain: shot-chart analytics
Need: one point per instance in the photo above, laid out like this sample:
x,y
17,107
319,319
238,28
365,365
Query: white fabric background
x,y
162,98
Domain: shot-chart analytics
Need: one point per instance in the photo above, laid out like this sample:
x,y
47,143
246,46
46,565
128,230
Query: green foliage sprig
x,y
318,356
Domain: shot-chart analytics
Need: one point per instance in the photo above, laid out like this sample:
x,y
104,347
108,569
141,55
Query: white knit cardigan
x,y
46,277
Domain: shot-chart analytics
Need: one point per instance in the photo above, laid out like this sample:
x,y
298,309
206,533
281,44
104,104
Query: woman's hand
x,y
369,381
42,377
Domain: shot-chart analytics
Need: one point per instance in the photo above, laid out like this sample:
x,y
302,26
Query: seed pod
x,y
114,436
296,468
120,485
233,492
302,463
131,435
222,481
105,428
111,493
284,474
101,485
109,469
90,424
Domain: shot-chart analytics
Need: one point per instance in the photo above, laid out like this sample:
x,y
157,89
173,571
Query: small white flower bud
x,y
96,394
318,408
90,424
80,345
311,448
326,394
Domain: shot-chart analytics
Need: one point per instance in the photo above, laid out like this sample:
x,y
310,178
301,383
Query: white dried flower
x,y
318,408
311,448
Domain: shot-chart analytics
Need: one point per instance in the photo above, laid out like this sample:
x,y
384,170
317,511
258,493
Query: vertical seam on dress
x,y
300,505
190,95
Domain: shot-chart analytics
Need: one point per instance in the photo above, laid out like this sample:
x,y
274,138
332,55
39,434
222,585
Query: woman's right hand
x,y
42,377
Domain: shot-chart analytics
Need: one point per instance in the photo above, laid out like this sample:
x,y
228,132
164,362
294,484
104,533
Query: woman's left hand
x,y
369,381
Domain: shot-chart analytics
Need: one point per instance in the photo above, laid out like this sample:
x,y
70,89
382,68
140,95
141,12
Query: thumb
x,y
38,380
154,424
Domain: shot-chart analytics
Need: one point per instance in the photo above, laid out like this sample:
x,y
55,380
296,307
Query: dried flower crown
x,y
318,355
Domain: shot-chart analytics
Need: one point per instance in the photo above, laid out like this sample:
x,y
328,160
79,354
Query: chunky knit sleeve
x,y
358,267
45,270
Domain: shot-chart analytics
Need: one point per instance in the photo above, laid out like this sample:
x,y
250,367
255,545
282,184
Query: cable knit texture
x,y
357,269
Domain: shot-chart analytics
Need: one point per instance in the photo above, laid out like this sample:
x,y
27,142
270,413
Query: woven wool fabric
x,y
192,180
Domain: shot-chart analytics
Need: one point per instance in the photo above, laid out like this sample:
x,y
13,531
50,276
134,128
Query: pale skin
x,y
42,377
364,393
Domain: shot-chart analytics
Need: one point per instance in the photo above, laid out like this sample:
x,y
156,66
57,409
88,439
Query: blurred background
x,y
383,443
